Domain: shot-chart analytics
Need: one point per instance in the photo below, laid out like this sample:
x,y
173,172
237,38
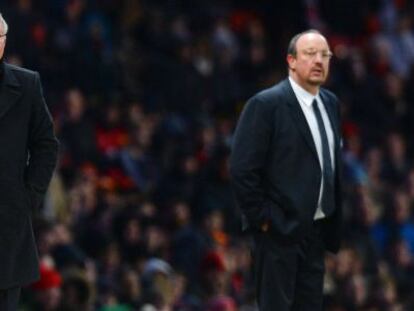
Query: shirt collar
x,y
301,93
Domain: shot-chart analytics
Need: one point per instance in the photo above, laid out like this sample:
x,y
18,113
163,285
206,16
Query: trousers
x,y
289,276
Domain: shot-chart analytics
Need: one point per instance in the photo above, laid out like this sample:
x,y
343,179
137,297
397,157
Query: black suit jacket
x,y
274,166
27,160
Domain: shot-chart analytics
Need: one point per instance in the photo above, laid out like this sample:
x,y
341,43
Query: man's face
x,y
310,65
2,39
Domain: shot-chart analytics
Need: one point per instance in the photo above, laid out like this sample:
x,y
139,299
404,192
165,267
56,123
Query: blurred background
x,y
145,95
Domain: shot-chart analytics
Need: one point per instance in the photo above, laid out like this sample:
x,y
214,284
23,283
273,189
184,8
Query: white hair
x,y
6,27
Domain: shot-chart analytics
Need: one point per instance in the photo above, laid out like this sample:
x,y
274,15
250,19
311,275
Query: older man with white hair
x,y
28,157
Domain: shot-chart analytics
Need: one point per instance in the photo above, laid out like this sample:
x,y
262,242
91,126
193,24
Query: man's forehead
x,y
312,40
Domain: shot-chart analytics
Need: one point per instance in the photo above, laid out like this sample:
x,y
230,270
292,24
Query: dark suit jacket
x,y
274,166
27,160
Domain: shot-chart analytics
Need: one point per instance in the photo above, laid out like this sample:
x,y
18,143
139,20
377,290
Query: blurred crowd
x,y
145,95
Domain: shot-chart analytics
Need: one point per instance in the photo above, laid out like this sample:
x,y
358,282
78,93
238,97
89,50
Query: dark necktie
x,y
328,193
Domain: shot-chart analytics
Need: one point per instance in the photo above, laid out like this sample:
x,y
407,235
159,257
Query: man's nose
x,y
318,58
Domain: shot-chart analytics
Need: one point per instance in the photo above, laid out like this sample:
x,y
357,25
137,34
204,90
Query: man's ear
x,y
291,61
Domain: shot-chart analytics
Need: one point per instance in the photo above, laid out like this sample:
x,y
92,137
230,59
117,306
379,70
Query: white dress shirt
x,y
305,100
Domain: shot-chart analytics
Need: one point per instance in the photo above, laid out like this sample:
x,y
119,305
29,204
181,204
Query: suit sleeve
x,y
42,146
336,227
248,160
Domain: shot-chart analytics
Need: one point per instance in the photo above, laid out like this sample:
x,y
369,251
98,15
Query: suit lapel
x,y
300,118
10,90
332,119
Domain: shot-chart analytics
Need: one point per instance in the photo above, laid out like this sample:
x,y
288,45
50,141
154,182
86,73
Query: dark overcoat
x,y
28,156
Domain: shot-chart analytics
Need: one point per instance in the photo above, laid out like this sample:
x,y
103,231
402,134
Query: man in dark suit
x,y
27,160
285,171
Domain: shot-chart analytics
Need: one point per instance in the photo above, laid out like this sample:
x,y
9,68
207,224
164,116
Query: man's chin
x,y
317,81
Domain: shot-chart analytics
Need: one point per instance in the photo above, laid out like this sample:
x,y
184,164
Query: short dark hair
x,y
292,44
